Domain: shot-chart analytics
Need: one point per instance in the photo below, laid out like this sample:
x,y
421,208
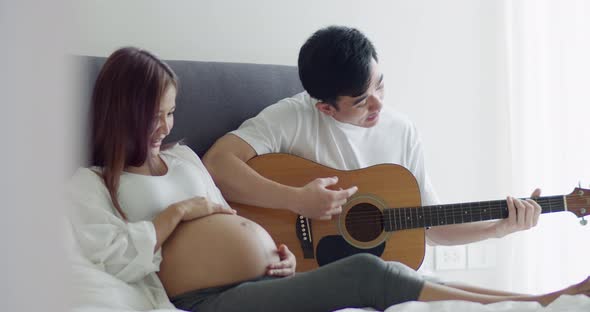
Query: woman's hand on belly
x,y
285,267
198,207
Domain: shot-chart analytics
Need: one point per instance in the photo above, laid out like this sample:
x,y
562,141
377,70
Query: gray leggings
x,y
361,280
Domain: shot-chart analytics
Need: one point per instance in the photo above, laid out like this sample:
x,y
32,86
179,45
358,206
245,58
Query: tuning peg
x,y
583,213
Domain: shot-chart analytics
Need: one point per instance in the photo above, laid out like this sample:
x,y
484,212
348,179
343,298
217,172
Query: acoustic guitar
x,y
384,217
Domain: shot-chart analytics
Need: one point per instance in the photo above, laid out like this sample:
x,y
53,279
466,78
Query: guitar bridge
x,y
304,234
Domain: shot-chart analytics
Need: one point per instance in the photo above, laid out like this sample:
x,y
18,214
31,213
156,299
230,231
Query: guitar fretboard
x,y
395,219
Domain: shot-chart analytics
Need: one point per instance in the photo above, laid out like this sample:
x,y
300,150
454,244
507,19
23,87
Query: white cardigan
x,y
125,250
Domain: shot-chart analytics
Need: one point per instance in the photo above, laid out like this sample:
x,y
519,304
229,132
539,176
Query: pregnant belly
x,y
215,250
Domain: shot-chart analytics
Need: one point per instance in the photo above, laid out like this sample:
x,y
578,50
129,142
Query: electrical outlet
x,y
450,258
481,255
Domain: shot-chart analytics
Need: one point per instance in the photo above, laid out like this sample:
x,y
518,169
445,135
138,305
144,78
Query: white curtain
x,y
548,44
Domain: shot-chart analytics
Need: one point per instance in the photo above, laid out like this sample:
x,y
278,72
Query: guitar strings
x,y
415,212
495,212
442,212
408,224
456,208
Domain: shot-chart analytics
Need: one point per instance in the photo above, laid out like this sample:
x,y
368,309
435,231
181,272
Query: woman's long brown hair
x,y
125,100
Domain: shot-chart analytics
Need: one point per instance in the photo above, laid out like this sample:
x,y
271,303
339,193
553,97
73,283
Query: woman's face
x,y
164,120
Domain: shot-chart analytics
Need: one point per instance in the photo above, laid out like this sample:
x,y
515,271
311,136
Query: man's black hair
x,y
336,61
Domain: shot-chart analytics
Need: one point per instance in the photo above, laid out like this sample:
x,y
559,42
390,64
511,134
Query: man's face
x,y
363,110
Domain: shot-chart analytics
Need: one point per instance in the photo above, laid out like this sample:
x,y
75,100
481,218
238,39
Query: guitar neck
x,y
395,219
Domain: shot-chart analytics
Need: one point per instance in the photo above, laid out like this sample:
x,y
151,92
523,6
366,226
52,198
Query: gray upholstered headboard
x,y
214,98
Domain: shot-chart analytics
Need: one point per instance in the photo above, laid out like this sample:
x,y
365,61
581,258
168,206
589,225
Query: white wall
x,y
443,62
32,270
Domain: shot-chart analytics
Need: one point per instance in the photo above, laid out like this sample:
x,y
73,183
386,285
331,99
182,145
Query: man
x,y
339,121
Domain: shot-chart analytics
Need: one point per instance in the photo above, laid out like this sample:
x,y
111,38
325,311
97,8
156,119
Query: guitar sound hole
x,y
364,222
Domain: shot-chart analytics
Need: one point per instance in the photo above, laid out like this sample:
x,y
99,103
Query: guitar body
x,y
359,228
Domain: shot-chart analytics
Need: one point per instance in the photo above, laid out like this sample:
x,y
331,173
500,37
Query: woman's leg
x,y
480,290
436,292
361,280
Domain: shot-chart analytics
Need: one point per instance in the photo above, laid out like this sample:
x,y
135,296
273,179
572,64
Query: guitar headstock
x,y
578,202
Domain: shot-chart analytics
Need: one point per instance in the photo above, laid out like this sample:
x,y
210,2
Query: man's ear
x,y
325,108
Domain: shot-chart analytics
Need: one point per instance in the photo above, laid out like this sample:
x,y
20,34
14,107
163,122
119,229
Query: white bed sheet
x,y
564,303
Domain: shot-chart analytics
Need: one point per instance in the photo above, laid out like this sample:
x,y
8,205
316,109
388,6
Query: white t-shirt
x,y
295,126
143,197
125,250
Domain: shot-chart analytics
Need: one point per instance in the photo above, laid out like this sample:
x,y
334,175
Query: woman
x,y
138,195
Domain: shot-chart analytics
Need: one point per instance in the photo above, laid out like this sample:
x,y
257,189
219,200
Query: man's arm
x,y
459,234
522,215
226,161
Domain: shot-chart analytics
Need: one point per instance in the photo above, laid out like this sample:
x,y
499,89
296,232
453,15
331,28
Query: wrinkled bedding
x,y
564,303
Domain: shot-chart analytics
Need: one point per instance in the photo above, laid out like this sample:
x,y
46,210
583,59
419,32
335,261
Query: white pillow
x,y
95,288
